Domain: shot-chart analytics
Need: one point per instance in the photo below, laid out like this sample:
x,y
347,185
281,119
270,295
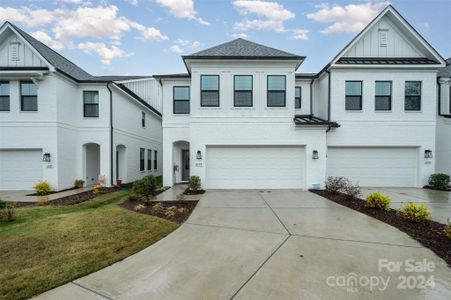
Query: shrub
x,y
335,185
43,201
415,212
145,187
378,200
352,190
169,214
182,210
79,183
139,207
439,181
194,183
7,210
42,188
447,229
180,197
157,208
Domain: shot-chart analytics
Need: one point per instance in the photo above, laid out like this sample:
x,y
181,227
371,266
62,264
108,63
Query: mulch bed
x,y
429,234
54,192
188,191
432,188
179,217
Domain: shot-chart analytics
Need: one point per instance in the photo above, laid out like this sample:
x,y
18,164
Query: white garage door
x,y
20,169
374,166
255,167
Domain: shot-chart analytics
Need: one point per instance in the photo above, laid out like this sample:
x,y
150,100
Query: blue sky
x,y
145,37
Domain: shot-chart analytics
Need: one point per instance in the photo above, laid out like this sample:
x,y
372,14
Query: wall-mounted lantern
x,y
199,154
46,157
315,154
428,154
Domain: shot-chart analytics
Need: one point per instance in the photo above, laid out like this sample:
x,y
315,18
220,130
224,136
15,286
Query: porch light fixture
x,y
315,154
46,157
428,154
199,154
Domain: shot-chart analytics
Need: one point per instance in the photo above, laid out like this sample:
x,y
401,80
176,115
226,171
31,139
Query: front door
x,y
185,165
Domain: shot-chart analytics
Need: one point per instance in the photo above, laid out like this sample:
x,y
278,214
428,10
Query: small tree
x,y
336,185
194,183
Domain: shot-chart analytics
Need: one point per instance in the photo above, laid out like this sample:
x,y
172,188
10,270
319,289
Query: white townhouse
x,y
58,123
243,118
443,160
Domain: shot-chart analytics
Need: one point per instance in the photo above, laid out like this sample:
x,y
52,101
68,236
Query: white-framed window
x,y
209,90
353,91
297,97
90,104
412,101
142,154
242,90
4,96
383,96
276,90
181,95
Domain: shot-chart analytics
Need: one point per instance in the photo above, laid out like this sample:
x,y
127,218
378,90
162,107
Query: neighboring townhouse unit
x,y
444,120
58,123
242,118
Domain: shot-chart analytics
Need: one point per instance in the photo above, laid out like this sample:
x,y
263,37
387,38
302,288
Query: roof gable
x,y
389,35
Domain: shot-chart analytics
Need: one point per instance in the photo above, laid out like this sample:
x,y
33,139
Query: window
x,y
412,96
209,94
297,97
149,159
242,96
155,160
353,92
90,103
4,96
383,95
141,158
181,99
143,119
276,90
28,96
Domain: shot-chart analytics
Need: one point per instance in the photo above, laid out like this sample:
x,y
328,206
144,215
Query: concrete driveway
x,y
284,244
438,202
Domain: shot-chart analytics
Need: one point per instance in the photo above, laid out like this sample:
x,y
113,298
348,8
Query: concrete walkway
x,y
172,193
21,196
438,202
284,244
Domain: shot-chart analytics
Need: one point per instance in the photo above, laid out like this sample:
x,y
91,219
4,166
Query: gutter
x,y
111,134
328,95
311,96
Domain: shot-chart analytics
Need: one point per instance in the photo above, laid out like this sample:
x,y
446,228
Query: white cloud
x,y
424,26
181,46
133,2
349,18
176,49
182,9
153,34
28,16
300,34
106,54
241,35
43,37
265,15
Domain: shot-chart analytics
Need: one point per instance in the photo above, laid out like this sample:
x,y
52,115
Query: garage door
x,y
255,167
20,169
374,166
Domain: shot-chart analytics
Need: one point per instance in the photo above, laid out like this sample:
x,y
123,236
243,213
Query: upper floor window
x,y
276,94
181,99
149,159
28,96
297,97
142,153
353,90
4,96
90,103
383,95
242,91
209,94
412,96
143,119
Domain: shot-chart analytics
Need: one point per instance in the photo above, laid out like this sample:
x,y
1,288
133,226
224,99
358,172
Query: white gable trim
x,y
403,21
7,25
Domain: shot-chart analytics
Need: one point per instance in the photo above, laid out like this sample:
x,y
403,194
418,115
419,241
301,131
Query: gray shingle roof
x,y
446,71
61,63
386,61
241,48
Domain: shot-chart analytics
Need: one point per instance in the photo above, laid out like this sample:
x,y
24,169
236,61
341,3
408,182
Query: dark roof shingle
x,y
446,71
386,61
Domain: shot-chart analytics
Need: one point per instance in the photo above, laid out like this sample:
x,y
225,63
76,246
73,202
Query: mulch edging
x,y
189,191
428,187
179,218
429,234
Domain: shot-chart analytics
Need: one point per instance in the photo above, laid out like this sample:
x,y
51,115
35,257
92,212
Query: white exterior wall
x,y
443,156
305,96
396,128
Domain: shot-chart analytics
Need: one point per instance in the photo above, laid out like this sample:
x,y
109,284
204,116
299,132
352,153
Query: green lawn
x,y
48,246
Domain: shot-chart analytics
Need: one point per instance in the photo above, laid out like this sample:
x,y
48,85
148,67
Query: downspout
x,y
328,95
439,100
111,134
311,96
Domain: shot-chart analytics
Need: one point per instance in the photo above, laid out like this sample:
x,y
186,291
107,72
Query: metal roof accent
x,y
141,100
309,120
386,61
306,75
446,71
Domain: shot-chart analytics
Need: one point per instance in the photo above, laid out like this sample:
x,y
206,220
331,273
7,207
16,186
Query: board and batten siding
x,y
148,89
26,56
